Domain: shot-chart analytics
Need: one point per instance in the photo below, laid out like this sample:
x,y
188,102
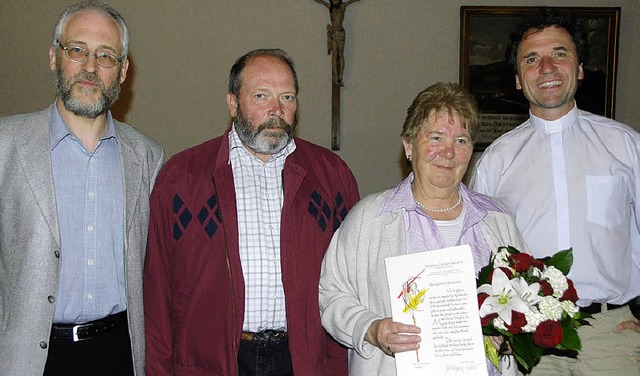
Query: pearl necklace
x,y
425,207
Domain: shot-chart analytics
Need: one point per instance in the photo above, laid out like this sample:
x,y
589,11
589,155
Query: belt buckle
x,y
261,339
75,333
269,338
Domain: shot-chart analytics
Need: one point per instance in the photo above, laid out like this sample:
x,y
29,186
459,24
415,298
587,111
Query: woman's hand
x,y
393,337
497,341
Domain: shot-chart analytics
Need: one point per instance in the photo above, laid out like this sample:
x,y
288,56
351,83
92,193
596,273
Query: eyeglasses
x,y
104,58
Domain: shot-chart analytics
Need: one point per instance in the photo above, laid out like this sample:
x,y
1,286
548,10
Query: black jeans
x,y
105,355
271,360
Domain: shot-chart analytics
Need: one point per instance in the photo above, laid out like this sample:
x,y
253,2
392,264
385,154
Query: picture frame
x,y
484,35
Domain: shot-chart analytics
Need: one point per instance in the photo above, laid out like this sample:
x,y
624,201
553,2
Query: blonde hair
x,y
441,96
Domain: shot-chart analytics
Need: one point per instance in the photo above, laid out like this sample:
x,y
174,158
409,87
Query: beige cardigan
x,y
353,285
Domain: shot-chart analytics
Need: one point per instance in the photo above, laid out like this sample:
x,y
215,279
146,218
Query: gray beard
x,y
64,90
258,140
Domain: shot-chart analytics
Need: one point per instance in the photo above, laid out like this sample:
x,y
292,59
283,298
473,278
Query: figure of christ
x,y
336,36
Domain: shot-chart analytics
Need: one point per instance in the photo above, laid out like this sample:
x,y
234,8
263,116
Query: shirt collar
x,y
59,130
235,145
401,197
558,125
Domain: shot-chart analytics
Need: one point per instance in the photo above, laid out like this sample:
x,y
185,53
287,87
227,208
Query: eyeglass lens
x,y
104,58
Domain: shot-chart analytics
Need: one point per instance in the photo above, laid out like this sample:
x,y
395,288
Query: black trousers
x,y
106,355
257,360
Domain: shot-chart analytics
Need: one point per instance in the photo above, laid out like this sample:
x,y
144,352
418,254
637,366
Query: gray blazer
x,y
30,238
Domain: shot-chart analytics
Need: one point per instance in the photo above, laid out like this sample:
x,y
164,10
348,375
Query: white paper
x,y
452,341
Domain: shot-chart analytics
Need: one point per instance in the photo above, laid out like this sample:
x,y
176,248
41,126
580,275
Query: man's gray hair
x,y
99,7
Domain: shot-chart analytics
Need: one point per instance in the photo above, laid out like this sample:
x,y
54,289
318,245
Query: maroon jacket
x,y
193,283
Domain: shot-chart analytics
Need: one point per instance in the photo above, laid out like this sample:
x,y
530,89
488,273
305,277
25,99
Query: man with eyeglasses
x,y
74,209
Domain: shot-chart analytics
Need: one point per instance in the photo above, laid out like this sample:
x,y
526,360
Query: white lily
x,y
528,292
503,297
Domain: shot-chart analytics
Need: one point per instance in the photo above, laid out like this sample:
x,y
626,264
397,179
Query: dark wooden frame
x,y
492,82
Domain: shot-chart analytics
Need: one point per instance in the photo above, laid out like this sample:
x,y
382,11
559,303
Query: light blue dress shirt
x,y
90,205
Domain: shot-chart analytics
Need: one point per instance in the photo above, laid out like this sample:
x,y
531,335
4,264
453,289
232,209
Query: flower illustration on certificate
x,y
413,296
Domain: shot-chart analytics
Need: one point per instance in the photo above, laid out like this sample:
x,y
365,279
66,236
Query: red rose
x,y
548,334
481,299
518,320
486,321
506,271
570,293
545,287
521,261
538,264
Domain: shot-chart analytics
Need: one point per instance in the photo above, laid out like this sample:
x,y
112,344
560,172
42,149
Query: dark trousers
x,y
106,355
258,360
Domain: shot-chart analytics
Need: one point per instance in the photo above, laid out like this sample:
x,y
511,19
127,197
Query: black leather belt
x,y
87,330
600,307
266,337
634,306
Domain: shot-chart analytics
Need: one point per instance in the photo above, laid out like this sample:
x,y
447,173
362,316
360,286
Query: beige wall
x,y
181,53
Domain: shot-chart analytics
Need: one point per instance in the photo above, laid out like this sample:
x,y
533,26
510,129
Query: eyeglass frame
x,y
87,54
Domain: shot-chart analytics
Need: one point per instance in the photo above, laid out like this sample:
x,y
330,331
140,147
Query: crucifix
x,y
335,47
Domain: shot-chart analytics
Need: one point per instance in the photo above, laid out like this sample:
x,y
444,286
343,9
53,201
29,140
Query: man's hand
x,y
633,325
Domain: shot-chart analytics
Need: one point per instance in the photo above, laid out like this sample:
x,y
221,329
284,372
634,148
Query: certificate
x,y
436,290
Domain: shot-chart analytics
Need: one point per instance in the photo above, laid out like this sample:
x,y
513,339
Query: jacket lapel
x,y
34,156
131,163
394,234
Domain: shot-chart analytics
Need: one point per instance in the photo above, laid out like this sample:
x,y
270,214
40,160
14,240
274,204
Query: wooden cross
x,y
335,47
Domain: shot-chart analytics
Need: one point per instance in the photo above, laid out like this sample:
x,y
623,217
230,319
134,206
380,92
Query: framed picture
x,y
484,35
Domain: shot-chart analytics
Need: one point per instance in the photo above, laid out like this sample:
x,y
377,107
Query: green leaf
x,y
483,275
491,352
526,352
570,337
562,260
582,316
490,331
513,250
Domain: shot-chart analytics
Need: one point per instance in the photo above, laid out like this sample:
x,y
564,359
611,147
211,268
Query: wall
x,y
181,53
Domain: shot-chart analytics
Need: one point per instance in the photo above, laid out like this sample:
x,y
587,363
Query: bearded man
x,y
239,226
75,210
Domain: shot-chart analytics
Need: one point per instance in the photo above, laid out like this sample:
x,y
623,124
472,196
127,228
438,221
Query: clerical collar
x,y
558,125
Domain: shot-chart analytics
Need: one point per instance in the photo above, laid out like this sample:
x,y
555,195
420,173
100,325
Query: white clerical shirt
x,y
573,182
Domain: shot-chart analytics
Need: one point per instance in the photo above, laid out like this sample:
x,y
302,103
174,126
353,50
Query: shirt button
x,y
90,194
90,228
90,296
90,262
56,253
51,299
43,345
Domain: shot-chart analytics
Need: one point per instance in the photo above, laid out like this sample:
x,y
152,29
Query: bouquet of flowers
x,y
530,303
